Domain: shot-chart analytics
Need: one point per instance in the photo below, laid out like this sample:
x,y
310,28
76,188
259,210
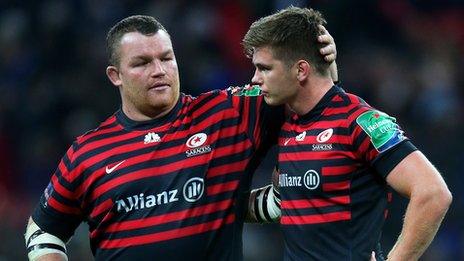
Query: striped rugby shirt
x,y
166,189
333,164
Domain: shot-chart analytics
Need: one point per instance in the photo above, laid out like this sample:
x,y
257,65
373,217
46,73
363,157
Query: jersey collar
x,y
130,124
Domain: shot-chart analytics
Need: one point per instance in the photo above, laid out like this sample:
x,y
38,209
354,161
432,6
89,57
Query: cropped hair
x,y
291,34
143,24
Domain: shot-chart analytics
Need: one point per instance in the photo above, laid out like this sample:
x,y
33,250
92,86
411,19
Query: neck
x,y
310,94
137,115
145,114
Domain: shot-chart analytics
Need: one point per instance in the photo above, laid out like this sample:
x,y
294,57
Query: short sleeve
x,y
58,211
379,141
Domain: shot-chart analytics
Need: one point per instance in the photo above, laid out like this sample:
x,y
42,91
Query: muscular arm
x,y
416,178
42,246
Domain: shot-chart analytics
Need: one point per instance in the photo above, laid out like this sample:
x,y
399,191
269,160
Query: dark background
x,y
403,57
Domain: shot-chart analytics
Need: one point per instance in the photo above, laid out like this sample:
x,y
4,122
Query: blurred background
x,y
404,57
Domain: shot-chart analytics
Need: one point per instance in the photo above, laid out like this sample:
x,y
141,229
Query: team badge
x,y
196,144
324,136
196,140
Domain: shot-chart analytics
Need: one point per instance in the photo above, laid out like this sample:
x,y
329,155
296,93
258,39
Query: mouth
x,y
161,86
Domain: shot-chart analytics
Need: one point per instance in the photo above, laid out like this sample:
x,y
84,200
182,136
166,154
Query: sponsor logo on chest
x,y
192,191
142,201
310,180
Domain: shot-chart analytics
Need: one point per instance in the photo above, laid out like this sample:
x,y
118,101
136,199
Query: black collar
x,y
130,124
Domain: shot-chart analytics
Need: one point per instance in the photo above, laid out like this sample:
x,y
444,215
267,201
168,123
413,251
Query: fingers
x,y
373,256
323,29
325,36
330,58
325,39
329,52
328,49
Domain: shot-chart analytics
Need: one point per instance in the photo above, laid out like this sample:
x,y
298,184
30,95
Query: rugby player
x,y
338,156
167,176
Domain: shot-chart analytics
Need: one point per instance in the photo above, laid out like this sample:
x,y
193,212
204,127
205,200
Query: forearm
x,y
52,257
422,220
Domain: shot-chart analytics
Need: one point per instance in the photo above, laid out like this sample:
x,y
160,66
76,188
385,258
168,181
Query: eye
x,y
140,63
262,68
167,59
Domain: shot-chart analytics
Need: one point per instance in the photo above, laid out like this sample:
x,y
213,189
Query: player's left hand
x,y
329,50
373,256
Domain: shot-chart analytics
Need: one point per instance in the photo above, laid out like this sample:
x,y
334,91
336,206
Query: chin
x,y
271,101
164,101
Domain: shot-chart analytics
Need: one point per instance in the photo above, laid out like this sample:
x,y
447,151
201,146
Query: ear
x,y
303,70
113,74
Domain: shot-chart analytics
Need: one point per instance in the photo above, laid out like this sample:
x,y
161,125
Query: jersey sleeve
x,y
378,140
261,121
58,211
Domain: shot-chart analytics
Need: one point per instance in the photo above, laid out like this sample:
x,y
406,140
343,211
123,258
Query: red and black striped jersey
x,y
164,189
333,162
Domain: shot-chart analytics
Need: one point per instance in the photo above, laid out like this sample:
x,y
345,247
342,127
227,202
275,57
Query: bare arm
x,y
416,178
37,242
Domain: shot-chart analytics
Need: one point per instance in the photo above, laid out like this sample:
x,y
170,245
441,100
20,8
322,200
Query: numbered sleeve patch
x,y
381,128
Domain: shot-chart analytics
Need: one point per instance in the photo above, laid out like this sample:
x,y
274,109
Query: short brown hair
x,y
143,24
291,34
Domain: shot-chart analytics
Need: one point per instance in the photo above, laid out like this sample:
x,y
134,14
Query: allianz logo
x,y
193,190
142,201
310,180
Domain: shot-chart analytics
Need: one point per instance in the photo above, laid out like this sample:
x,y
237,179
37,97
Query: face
x,y
278,82
147,74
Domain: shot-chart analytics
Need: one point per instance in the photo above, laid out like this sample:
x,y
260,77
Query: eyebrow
x,y
261,65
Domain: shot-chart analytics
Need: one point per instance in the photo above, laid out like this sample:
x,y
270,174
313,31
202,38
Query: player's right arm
x,y
43,246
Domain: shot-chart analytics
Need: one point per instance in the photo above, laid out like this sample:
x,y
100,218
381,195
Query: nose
x,y
157,69
257,79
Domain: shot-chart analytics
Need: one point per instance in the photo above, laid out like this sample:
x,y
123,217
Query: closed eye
x,y
167,59
140,62
262,67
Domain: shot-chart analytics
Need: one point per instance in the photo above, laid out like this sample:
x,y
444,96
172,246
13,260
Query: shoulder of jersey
x,y
109,121
201,96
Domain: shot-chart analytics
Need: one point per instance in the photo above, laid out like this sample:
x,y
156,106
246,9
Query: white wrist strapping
x,y
266,204
39,243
